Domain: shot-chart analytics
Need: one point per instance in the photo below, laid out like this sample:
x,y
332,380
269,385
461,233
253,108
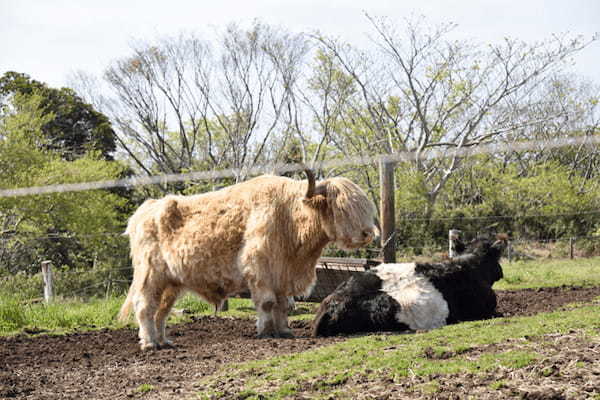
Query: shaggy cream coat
x,y
265,235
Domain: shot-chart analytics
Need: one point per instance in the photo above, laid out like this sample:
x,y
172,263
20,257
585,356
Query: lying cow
x,y
264,235
417,296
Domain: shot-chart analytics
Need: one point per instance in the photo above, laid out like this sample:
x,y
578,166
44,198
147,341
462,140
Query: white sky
x,y
49,39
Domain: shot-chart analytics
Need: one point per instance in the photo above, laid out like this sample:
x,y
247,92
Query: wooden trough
x,y
331,271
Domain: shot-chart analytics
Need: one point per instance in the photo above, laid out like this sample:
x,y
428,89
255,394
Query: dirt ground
x,y
107,364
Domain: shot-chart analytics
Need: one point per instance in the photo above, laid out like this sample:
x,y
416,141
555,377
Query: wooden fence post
x,y
388,217
108,285
453,235
47,274
571,245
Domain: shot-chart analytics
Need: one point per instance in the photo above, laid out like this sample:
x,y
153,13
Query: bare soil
x,y
107,364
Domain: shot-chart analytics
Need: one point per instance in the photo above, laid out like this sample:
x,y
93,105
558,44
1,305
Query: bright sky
x,y
49,39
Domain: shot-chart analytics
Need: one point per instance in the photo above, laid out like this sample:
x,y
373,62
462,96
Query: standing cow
x,y
264,235
418,296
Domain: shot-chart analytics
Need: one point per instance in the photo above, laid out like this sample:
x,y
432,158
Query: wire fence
x,y
356,161
331,271
106,281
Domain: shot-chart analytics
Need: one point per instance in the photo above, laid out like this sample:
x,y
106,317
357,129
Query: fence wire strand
x,y
360,160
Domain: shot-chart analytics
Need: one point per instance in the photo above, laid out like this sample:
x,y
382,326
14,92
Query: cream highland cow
x,y
264,235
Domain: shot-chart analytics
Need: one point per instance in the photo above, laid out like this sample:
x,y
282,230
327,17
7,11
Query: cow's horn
x,y
310,192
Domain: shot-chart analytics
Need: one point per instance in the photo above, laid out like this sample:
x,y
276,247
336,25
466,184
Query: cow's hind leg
x,y
168,298
146,304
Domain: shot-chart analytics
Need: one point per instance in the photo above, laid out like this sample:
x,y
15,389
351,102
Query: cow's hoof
x,y
286,335
167,344
149,346
266,335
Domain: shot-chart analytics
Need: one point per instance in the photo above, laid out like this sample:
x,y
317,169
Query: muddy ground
x,y
107,364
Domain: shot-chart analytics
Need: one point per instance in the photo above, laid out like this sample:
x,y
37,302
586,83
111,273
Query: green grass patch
x,y
430,388
442,351
549,273
64,316
144,388
497,385
17,315
238,308
57,317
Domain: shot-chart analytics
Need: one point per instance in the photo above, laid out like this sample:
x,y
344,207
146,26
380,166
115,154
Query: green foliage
x,y
71,228
68,282
12,314
75,127
21,285
486,198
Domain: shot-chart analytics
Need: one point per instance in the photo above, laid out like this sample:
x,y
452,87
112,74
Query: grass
x,y
450,350
498,384
509,342
64,316
238,308
549,273
144,388
473,347
56,318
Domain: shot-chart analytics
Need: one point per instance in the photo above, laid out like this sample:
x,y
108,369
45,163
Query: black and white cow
x,y
417,296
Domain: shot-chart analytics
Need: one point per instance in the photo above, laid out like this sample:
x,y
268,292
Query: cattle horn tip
x,y
310,175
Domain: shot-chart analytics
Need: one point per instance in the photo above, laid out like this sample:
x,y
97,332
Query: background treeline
x,y
247,96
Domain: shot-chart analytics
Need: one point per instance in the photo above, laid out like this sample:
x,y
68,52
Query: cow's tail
x,y
140,276
168,220
127,305
125,310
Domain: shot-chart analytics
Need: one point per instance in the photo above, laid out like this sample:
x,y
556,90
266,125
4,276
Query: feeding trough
x,y
331,271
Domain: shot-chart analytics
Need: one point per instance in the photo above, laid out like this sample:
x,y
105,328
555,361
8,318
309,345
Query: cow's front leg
x,y
265,302
280,317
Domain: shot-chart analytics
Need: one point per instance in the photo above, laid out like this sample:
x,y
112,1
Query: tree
x,y
68,228
183,101
76,127
429,95
566,106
